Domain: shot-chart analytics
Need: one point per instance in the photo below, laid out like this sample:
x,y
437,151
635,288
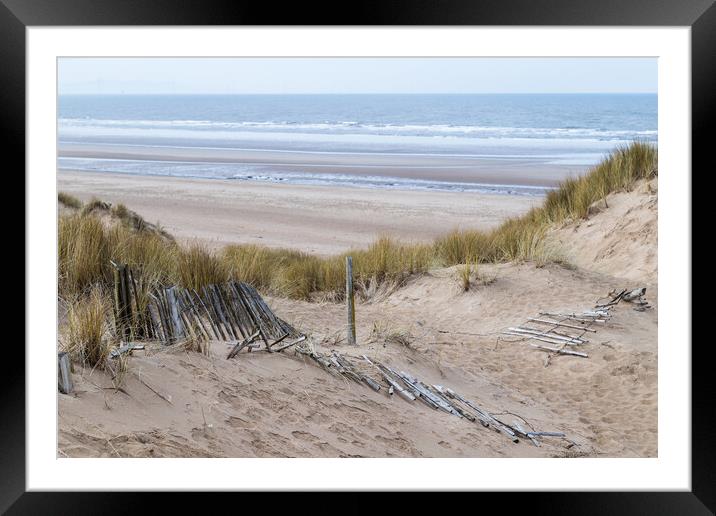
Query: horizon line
x,y
375,93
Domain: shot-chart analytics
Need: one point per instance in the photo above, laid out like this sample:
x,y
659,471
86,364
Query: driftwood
x,y
64,373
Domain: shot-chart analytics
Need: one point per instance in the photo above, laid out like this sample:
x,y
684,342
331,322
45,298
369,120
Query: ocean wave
x,y
357,127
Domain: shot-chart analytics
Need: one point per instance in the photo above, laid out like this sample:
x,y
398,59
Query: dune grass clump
x,y
620,171
69,201
95,205
465,273
197,266
83,253
85,335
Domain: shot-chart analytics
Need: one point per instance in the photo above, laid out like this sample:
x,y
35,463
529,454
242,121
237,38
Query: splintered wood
x,y
562,329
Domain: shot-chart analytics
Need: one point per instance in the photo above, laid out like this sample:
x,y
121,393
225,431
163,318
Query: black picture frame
x,y
700,15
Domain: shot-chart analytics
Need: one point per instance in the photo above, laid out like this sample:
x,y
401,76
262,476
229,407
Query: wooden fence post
x,y
350,302
64,378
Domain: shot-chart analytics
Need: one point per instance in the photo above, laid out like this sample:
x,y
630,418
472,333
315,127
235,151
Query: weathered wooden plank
x,y
560,351
557,323
289,344
174,317
214,315
212,324
241,345
528,331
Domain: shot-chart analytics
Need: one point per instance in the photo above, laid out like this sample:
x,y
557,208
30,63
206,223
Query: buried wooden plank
x,y
64,373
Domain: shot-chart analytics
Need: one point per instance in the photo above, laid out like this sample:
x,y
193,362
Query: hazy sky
x,y
357,75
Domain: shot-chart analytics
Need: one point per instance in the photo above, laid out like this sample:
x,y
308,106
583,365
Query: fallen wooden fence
x,y
383,378
231,311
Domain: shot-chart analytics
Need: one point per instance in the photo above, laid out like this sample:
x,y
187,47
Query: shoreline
x,y
316,219
515,171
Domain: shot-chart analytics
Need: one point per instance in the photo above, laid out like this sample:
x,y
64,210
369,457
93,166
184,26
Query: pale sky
x,y
356,75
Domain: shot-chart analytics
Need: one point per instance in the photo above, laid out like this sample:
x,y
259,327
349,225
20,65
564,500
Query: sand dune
x,y
280,405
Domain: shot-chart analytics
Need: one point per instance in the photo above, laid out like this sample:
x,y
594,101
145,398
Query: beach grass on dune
x,y
87,243
86,328
69,201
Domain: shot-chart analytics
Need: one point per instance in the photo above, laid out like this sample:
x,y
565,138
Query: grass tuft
x,y
86,328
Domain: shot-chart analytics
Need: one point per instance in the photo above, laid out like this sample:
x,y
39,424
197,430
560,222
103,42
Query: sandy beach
x,y
316,219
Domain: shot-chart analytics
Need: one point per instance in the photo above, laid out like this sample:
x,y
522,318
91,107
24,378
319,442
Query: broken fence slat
x,y
546,434
536,337
241,345
581,318
517,426
125,349
557,323
571,340
289,344
560,351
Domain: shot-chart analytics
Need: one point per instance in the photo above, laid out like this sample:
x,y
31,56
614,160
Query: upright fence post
x,y
350,302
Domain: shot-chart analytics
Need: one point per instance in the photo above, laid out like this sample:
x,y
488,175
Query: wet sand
x,y
520,171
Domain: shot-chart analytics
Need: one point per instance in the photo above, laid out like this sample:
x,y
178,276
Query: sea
x,y
336,139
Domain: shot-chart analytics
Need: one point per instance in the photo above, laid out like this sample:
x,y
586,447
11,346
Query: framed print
x,y
418,249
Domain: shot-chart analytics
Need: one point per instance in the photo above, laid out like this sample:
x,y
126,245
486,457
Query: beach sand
x,y
315,219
